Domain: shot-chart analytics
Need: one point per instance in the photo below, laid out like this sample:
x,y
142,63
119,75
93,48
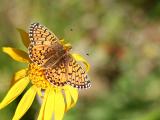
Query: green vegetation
x,y
119,38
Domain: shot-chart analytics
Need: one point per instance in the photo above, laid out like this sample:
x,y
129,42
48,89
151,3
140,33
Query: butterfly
x,y
47,51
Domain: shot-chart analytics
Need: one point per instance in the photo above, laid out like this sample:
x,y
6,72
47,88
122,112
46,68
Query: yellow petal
x,y
53,102
24,36
74,95
25,103
68,99
50,105
14,92
80,58
41,113
67,46
59,105
16,54
18,75
62,41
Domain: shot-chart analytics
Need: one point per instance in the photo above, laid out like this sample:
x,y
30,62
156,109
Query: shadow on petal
x,y
18,75
25,103
24,37
14,92
16,54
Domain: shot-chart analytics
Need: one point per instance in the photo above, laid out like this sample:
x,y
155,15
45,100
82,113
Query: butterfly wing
x,y
57,75
76,76
68,71
39,33
45,50
44,46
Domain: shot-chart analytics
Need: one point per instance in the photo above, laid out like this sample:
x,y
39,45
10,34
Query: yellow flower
x,y
56,100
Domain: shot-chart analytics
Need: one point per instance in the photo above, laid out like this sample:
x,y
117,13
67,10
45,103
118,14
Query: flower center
x,y
37,77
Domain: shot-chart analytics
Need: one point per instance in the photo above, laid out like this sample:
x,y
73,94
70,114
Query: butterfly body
x,y
47,51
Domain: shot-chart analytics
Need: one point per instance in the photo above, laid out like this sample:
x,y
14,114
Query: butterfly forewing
x,y
44,45
39,33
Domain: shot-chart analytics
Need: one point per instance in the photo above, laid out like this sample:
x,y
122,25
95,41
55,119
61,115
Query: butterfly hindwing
x,y
67,71
56,75
76,76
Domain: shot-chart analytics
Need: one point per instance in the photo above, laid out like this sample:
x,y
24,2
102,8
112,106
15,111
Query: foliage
x,y
121,40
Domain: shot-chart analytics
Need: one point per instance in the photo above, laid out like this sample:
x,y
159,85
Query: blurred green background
x,y
119,38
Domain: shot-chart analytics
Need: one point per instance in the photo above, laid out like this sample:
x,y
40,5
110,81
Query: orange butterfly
x,y
47,51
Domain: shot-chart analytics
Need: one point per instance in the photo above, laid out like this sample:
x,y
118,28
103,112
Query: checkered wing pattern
x,y
76,76
56,75
68,71
61,68
44,45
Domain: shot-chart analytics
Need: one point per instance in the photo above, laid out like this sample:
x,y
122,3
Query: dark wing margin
x,y
76,76
39,33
